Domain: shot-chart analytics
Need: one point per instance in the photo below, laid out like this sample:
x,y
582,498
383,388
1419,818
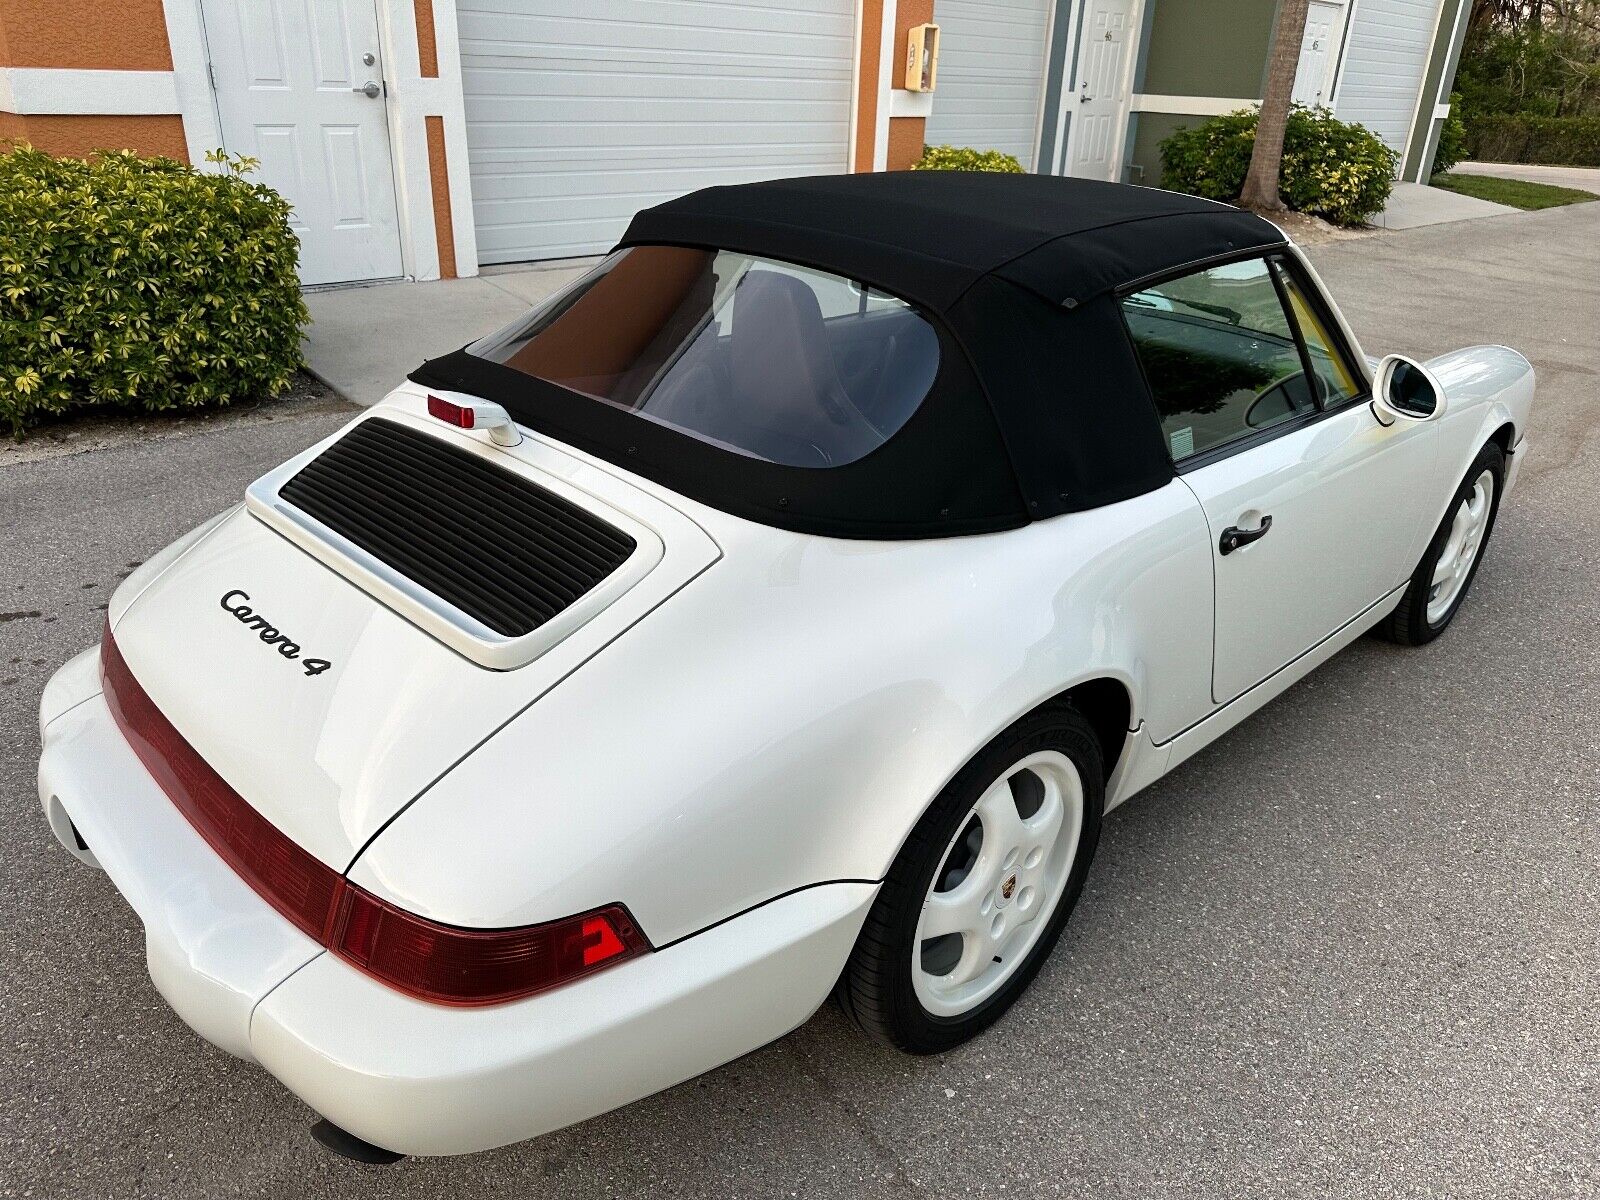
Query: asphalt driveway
x,y
1352,949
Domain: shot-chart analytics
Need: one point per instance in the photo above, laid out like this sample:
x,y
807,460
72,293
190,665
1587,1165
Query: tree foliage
x,y
141,283
1452,138
1531,58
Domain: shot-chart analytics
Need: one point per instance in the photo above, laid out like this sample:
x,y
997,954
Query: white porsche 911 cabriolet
x,y
774,612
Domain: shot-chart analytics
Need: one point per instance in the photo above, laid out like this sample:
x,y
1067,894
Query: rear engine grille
x,y
503,550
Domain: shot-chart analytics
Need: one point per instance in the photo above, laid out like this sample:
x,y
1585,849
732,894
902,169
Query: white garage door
x,y
1385,59
991,70
581,112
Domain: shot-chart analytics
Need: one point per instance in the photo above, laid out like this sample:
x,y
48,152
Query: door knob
x,y
369,89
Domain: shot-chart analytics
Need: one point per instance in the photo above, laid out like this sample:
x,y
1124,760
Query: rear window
x,y
763,358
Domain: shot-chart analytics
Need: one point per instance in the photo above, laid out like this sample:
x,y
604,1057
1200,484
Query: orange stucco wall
x,y
102,35
81,136
908,15
427,39
444,225
89,35
867,83
906,136
905,133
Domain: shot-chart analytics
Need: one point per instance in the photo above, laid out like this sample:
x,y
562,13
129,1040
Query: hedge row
x,y
141,283
1331,169
966,158
1556,141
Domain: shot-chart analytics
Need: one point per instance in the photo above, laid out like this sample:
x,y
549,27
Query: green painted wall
x,y
1441,69
1209,48
1151,128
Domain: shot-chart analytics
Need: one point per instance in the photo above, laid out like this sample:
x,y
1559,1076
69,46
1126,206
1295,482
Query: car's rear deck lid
x,y
500,548
497,559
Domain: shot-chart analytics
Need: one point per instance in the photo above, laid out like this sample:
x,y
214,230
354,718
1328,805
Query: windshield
x,y
764,358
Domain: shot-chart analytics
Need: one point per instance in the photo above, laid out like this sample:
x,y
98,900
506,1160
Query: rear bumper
x,y
421,1079
413,1077
214,948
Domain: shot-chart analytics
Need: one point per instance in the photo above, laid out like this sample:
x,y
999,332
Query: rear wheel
x,y
981,890
1446,571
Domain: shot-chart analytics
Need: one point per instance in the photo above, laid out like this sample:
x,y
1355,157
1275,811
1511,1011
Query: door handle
x,y
369,89
1233,537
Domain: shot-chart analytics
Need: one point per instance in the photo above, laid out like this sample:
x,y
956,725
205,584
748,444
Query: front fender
x,y
1486,388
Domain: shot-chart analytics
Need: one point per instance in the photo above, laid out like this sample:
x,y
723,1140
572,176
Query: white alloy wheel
x,y
1454,567
997,884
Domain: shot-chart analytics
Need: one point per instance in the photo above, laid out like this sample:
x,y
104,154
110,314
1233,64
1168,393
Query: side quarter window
x,y
1220,355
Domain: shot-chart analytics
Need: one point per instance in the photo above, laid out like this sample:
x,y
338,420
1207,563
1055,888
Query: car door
x,y
1316,511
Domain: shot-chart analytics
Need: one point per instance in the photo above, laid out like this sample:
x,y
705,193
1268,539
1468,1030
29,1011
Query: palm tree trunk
x,y
1261,181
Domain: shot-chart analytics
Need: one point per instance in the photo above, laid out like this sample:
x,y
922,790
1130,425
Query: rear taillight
x,y
444,964
299,886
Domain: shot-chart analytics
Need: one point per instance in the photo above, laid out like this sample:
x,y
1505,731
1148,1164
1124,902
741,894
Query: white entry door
x,y
1100,109
290,76
1319,49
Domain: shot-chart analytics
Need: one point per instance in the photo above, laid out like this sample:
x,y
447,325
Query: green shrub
x,y
1556,141
141,283
1331,169
1452,139
964,158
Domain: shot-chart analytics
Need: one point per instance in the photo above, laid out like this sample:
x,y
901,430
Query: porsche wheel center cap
x,y
1008,888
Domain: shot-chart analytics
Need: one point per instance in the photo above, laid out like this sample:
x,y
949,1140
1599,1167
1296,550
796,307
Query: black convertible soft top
x,y
1039,406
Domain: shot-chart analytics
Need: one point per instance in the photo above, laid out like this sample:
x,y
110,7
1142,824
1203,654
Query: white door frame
x,y
1338,54
1130,69
411,98
1074,11
1053,11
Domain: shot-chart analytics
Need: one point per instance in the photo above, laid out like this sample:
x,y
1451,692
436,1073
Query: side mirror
x,y
1404,389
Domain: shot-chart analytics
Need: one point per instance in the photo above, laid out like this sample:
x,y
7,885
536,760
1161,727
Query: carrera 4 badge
x,y
236,603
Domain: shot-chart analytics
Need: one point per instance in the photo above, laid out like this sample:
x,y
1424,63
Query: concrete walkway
x,y
1413,204
363,340
1586,179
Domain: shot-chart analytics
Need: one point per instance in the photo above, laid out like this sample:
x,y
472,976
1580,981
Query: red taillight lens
x,y
478,966
441,963
451,414
299,886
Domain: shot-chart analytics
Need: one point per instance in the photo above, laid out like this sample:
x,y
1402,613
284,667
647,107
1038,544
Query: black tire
x,y
876,989
1408,625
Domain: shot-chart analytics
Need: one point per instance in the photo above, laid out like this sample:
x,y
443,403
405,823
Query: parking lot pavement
x,y
1349,950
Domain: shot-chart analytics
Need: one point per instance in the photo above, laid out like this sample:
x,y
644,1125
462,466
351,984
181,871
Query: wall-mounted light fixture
x,y
922,58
